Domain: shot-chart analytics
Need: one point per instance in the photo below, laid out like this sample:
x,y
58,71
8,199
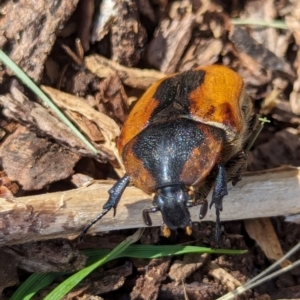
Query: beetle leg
x,y
235,166
219,191
203,209
146,216
115,194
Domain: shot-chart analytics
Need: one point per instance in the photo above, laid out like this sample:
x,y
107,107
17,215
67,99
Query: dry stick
x,y
57,215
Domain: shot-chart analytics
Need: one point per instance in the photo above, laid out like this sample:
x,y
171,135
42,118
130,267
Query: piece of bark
x,y
35,162
89,297
262,231
82,114
79,84
113,98
102,282
282,112
136,78
47,256
53,215
128,36
86,12
170,39
7,188
31,40
224,277
207,289
103,20
264,11
201,52
247,46
181,269
147,286
37,118
293,21
8,271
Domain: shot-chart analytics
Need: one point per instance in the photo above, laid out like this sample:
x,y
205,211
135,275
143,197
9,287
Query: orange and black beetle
x,y
185,136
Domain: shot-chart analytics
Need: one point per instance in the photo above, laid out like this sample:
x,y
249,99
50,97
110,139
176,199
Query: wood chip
x,y
147,287
103,20
47,256
8,270
136,78
246,45
170,39
113,98
224,277
181,269
32,39
262,231
102,282
77,109
39,163
18,107
128,36
201,52
86,12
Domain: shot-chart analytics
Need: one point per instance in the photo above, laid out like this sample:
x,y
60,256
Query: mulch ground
x,y
63,44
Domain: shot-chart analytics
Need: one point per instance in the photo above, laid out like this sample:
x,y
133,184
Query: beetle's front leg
x,y
219,191
115,194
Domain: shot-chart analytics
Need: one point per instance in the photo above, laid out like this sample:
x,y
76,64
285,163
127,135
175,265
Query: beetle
x,y
185,136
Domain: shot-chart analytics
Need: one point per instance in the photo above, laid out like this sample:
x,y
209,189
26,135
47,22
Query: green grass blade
x,y
61,290
45,99
278,24
33,284
152,251
38,281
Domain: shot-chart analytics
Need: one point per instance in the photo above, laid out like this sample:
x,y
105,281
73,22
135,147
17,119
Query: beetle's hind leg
x,y
219,191
235,166
115,194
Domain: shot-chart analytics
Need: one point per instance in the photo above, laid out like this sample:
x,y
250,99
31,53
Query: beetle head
x,y
172,202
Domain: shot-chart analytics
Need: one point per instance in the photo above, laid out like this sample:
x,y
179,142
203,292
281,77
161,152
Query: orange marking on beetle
x,y
138,118
166,231
222,88
203,157
139,175
188,230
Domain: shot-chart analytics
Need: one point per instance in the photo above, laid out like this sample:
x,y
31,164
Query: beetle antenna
x,y
90,224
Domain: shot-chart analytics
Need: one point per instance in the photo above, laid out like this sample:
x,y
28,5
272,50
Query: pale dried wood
x,y
133,77
261,194
263,233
